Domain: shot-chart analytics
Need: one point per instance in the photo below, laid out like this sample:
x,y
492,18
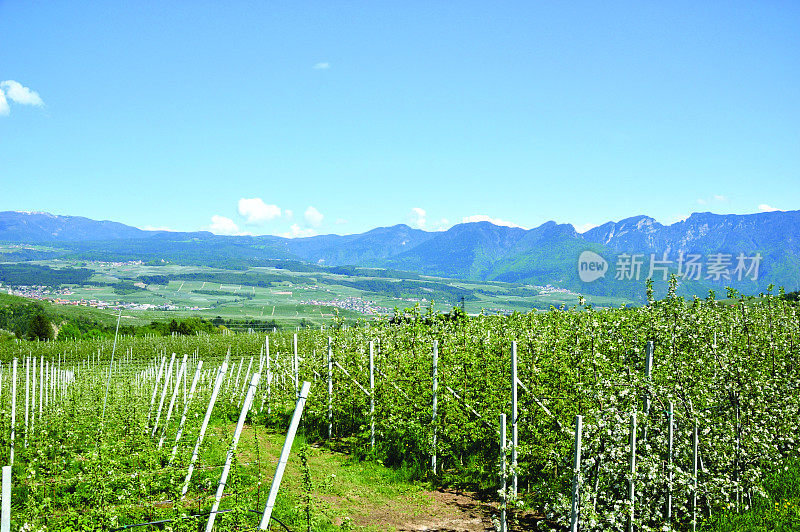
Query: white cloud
x,y
585,227
676,218
288,214
18,93
716,198
220,225
321,66
157,228
295,231
4,109
258,212
442,225
417,218
767,208
485,218
313,217
341,221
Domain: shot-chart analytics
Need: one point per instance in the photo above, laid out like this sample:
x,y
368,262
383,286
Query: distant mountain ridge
x,y
547,254
20,226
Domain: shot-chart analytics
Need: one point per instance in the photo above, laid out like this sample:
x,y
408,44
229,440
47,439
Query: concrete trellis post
x,y
5,510
434,404
238,374
33,393
330,388
249,367
576,475
13,409
670,416
372,395
503,484
295,368
178,379
514,417
41,385
269,378
167,376
232,449
47,383
632,473
217,385
649,377
284,458
694,478
27,395
155,387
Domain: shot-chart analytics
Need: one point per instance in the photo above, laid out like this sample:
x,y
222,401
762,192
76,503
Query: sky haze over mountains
x,y
309,118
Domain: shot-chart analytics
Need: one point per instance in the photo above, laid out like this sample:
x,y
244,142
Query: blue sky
x,y
302,118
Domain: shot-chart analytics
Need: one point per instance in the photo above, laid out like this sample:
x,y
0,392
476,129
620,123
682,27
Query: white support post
x,y
514,418
5,510
175,392
33,394
434,405
295,367
185,371
330,388
576,475
648,376
217,385
287,447
27,395
244,382
372,395
167,377
632,473
48,383
269,379
238,374
503,486
232,449
13,409
186,408
669,464
249,367
41,385
694,478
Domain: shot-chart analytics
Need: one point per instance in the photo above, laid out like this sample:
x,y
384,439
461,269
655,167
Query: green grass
x,y
779,511
345,491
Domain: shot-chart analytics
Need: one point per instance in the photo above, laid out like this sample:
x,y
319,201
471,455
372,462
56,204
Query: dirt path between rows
x,y
371,499
439,511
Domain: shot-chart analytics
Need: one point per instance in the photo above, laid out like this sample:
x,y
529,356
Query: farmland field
x,y
152,292
714,416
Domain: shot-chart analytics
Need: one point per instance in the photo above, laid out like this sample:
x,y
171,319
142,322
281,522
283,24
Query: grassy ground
x,y
780,511
337,491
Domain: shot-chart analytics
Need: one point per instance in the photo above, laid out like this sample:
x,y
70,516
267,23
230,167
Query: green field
x,y
291,297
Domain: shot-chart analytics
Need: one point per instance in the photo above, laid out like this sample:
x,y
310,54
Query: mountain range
x,y
713,251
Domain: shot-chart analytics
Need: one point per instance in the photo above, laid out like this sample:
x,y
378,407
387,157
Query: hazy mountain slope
x,y
363,249
44,227
547,254
468,250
